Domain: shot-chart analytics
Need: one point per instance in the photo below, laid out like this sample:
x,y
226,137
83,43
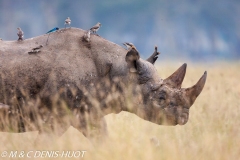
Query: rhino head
x,y
165,102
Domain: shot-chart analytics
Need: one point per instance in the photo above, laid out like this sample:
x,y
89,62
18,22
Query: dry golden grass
x,y
212,131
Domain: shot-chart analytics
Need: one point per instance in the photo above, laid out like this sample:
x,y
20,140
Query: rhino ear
x,y
176,79
193,92
154,56
131,58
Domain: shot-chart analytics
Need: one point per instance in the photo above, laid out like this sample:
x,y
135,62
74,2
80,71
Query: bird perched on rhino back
x,y
86,36
20,34
95,28
68,22
128,45
36,49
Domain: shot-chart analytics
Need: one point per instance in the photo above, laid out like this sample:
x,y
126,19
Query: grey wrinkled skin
x,y
91,79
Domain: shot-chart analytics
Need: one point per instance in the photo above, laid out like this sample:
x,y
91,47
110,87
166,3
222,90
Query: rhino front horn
x,y
193,92
176,79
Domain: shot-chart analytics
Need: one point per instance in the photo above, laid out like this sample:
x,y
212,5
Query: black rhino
x,y
71,77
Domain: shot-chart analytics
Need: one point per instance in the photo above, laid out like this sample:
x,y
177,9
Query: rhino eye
x,y
162,98
172,104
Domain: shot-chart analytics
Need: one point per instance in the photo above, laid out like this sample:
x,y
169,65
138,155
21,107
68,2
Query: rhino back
x,y
66,59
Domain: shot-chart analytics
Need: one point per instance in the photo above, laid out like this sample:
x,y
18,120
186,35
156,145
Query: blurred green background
x,y
199,30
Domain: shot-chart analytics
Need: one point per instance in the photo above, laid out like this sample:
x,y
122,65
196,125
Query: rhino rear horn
x,y
193,92
176,79
131,58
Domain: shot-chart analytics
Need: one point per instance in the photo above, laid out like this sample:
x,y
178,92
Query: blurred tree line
x,y
195,29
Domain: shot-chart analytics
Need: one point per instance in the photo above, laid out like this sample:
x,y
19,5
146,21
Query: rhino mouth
x,y
167,115
176,120
183,119
173,119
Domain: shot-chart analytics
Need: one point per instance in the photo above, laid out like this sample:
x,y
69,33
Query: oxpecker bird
x,y
68,22
95,28
52,30
128,45
36,49
87,36
20,34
